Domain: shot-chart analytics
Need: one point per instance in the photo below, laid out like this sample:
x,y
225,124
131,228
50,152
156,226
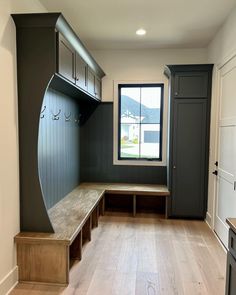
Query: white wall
x,y
219,50
141,65
224,43
9,168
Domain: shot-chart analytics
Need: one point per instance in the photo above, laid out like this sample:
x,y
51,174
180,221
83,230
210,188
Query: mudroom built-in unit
x,y
56,96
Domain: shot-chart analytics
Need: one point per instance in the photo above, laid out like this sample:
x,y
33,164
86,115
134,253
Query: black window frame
x,y
141,85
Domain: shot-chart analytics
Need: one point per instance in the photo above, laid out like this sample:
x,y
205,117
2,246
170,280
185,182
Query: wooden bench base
x,y
134,202
133,190
45,257
43,263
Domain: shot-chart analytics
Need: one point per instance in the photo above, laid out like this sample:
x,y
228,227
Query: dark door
x,y
189,150
81,71
66,60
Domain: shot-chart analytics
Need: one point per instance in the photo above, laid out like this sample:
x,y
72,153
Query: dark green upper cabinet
x,y
98,88
81,73
60,50
66,59
94,84
91,82
72,67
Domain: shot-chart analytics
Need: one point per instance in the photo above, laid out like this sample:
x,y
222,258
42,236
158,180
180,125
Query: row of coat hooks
x,y
56,116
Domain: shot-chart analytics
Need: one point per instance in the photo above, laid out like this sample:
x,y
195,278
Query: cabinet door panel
x,y
191,85
189,145
66,60
81,77
91,82
232,243
230,275
97,88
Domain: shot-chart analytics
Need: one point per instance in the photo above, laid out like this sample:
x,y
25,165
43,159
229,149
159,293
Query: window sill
x,y
139,163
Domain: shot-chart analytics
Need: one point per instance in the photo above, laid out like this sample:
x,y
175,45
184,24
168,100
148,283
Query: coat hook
x,y
67,117
78,120
56,116
41,113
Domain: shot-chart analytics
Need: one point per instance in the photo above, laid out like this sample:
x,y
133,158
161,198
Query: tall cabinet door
x,y
189,157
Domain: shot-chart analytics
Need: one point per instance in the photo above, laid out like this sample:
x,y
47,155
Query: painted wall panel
x,y
96,143
58,146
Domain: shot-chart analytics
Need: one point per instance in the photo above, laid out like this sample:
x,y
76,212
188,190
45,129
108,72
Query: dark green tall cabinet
x,y
188,139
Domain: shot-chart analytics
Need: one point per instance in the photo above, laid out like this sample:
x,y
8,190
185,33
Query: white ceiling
x,y
111,24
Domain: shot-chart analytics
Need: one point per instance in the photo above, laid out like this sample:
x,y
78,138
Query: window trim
x,y
136,85
163,163
162,79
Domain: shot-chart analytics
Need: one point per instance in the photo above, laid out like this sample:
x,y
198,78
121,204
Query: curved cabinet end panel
x,y
36,65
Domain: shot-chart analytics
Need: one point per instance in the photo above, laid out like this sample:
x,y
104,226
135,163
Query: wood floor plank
x,y
147,283
145,255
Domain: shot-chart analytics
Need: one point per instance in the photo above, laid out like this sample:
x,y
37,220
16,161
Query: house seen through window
x,y
140,121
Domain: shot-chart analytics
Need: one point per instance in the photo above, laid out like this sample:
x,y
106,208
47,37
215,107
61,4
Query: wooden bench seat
x,y
126,188
45,257
68,216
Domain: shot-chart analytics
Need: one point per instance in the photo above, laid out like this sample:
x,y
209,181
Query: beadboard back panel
x,y
58,146
96,154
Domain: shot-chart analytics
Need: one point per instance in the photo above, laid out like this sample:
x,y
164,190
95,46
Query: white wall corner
x,y
9,281
209,220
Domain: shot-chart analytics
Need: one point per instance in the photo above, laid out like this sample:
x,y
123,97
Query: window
x,y
140,121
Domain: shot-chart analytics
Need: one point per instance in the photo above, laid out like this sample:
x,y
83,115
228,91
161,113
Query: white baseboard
x,y
9,281
208,219
208,222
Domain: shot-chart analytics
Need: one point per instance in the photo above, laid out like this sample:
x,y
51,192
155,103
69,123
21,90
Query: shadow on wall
x,y
9,76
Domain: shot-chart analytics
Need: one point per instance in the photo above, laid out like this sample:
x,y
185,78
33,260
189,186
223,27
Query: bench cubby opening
x,y
150,204
119,203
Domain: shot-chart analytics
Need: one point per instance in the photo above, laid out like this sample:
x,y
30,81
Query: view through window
x,y
140,121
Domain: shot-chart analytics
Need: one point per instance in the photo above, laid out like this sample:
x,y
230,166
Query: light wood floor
x,y
145,255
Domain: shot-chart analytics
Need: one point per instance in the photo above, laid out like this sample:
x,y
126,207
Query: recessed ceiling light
x,y
141,32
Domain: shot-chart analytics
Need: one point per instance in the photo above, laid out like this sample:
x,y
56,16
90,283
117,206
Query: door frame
x,y
215,148
214,142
